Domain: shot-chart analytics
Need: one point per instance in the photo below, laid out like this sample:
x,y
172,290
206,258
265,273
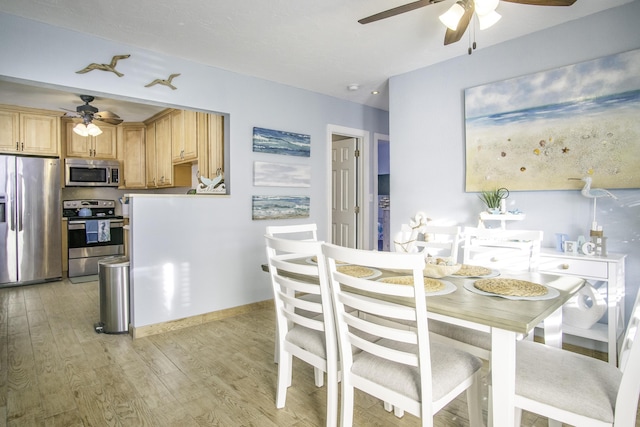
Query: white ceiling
x,y
313,45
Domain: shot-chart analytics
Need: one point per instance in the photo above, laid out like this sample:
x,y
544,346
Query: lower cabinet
x,y
605,273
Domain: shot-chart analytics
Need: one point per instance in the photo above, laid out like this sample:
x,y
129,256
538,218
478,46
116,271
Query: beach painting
x,y
267,174
280,207
536,131
280,142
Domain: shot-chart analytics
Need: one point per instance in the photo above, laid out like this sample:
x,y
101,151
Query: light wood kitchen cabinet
x,y
161,172
211,143
131,146
184,136
103,146
29,131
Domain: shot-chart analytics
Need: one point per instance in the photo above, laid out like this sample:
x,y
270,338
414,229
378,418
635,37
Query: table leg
x,y
553,329
503,376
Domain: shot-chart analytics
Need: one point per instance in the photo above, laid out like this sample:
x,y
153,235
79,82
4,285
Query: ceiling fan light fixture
x,y
488,20
452,17
81,129
93,130
485,7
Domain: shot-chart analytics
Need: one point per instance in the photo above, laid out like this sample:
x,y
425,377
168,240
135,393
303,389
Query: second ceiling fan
x,y
462,12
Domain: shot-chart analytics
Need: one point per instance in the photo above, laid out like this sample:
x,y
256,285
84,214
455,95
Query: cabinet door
x,y
9,131
104,145
77,146
211,144
164,165
189,139
183,136
150,150
134,156
39,133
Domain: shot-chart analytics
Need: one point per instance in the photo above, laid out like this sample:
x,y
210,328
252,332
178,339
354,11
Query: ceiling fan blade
x,y
398,10
544,2
108,117
453,36
110,120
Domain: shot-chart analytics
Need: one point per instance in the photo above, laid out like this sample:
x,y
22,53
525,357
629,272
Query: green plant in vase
x,y
492,198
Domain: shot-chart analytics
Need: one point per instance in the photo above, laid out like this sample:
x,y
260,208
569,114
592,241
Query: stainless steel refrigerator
x,y
30,220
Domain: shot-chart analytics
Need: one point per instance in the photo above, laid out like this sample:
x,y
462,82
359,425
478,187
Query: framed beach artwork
x,y
280,207
280,142
267,174
536,131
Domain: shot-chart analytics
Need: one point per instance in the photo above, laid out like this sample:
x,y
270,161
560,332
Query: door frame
x,y
377,137
363,181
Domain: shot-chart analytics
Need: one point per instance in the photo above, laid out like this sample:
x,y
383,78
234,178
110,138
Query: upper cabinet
x,y
102,146
160,170
211,144
131,147
184,136
29,131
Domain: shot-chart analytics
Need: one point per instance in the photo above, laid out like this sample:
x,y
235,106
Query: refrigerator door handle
x,y
19,201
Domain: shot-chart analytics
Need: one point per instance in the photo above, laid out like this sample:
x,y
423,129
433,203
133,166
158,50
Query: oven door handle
x,y
81,225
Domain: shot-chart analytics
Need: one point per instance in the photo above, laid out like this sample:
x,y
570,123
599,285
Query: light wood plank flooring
x,y
56,371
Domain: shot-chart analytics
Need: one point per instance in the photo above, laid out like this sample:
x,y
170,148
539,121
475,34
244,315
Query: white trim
x,y
364,166
377,137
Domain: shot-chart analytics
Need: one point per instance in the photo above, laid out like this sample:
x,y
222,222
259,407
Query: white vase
x,y
585,308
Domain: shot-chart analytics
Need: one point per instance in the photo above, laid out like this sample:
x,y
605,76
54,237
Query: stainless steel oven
x,y
93,233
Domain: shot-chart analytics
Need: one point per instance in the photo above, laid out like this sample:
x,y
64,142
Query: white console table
x,y
601,271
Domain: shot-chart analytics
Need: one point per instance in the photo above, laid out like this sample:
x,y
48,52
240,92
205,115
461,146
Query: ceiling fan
x,y
462,11
89,113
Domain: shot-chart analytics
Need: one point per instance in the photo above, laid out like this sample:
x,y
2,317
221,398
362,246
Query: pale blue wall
x,y
38,52
427,135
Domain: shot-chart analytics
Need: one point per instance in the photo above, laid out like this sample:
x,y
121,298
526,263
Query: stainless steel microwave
x,y
91,173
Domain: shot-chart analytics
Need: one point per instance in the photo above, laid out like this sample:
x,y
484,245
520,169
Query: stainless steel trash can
x,y
113,276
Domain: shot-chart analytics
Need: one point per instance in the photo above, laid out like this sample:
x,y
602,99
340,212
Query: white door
x,y
344,192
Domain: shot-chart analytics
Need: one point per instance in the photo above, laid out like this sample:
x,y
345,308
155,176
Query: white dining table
x,y
507,321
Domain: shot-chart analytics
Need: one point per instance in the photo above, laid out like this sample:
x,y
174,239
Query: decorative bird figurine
x,y
166,82
593,193
105,67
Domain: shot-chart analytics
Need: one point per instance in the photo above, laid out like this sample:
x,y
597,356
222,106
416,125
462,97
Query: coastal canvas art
x,y
280,142
280,207
267,174
536,131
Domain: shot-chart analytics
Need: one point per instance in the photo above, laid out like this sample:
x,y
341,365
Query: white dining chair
x,y
516,250
294,232
579,390
305,328
402,368
440,242
502,249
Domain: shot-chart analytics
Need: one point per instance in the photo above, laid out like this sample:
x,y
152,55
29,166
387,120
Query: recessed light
x,y
353,86
374,92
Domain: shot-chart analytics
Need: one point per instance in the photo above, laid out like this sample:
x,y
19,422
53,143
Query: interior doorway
x,y
351,197
383,193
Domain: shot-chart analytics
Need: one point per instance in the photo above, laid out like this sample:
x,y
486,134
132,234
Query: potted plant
x,y
492,198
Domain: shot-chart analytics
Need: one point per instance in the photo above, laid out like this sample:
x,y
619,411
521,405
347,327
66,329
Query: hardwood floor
x,y
56,371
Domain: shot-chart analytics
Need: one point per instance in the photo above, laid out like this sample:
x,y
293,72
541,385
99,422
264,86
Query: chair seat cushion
x,y
566,380
449,368
308,339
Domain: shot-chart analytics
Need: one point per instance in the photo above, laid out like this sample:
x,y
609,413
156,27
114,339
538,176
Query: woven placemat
x,y
472,271
356,270
511,287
